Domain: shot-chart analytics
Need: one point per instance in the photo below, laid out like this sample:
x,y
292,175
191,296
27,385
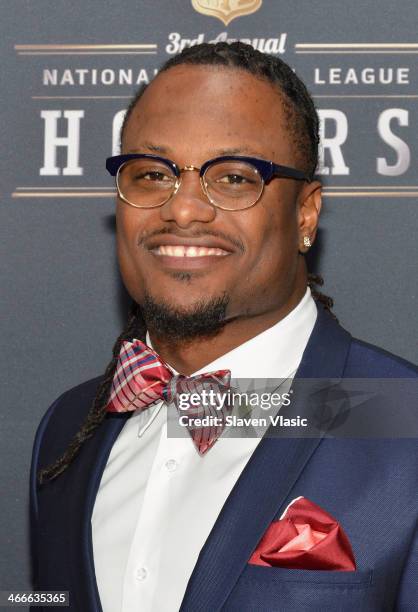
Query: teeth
x,y
190,251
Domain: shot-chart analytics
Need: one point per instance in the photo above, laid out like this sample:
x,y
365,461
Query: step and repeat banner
x,y
69,70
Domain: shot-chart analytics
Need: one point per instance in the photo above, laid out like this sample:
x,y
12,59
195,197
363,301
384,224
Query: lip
x,y
184,263
204,241
206,262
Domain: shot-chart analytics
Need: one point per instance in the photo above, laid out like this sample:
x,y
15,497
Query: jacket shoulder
x,y
58,426
368,360
63,419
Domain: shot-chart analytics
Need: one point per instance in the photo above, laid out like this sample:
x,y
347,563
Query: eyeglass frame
x,y
265,168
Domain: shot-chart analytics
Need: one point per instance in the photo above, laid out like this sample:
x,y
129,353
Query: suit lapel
x,y
264,484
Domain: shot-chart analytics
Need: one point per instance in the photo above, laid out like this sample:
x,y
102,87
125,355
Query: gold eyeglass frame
x,y
177,187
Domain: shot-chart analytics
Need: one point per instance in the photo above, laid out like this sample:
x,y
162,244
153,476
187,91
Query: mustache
x,y
238,244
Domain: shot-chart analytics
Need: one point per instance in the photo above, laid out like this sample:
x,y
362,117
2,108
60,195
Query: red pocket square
x,y
305,537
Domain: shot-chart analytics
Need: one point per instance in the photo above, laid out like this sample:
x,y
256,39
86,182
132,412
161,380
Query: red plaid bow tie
x,y
142,378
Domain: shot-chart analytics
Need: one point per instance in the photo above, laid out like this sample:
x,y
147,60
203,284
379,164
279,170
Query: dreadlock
x,y
135,327
303,123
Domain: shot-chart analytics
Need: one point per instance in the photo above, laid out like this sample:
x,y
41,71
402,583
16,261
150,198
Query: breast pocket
x,y
270,589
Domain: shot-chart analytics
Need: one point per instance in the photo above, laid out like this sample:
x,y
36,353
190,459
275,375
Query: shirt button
x,y
171,465
141,573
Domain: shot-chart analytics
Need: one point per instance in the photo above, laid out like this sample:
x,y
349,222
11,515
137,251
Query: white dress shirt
x,y
159,499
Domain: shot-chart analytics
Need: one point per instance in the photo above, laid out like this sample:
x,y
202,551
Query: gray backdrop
x,y
65,75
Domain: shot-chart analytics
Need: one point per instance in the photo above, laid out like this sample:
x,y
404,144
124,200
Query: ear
x,y
309,204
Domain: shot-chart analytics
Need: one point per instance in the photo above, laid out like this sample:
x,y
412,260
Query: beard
x,y
205,319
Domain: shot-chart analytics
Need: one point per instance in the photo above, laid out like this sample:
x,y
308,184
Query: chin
x,y
185,319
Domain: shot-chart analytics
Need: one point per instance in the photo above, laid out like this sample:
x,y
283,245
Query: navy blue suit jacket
x,y
369,486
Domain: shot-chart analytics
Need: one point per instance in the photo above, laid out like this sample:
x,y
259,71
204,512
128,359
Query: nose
x,y
189,203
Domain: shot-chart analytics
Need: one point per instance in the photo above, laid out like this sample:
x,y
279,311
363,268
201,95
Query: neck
x,y
191,356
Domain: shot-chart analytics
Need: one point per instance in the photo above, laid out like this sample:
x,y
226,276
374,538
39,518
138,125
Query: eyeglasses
x,y
229,182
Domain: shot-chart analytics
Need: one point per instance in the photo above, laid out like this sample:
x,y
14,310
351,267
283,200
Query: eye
x,y
232,175
234,179
152,175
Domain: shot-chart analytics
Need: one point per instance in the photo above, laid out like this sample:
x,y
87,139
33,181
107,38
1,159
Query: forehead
x,y
199,110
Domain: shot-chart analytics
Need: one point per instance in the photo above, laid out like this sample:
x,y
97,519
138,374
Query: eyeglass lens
x,y
229,184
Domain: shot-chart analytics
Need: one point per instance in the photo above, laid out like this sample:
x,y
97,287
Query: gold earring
x,y
307,241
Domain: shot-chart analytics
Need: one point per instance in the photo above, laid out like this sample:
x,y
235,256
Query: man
x,y
128,517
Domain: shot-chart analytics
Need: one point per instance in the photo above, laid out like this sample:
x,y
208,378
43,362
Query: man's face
x,y
191,114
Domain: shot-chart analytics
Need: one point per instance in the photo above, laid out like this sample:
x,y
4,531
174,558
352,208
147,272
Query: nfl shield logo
x,y
226,10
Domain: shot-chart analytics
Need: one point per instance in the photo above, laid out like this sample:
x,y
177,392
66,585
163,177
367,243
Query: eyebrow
x,y
149,146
